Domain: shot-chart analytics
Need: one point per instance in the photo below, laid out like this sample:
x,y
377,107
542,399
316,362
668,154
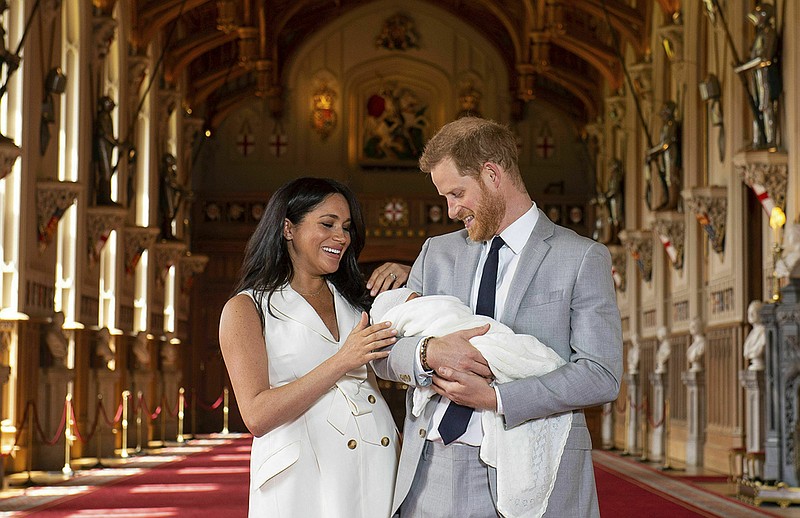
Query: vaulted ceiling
x,y
561,51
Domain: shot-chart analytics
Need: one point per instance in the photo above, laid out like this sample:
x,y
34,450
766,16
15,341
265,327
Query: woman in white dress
x,y
296,342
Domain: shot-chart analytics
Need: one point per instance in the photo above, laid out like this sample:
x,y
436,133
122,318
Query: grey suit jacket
x,y
563,294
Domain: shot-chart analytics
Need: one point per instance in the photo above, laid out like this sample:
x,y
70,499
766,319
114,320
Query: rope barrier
x,y
204,406
40,431
143,405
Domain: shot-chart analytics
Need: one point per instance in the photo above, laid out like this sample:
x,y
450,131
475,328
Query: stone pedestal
x,y
695,415
53,386
634,402
103,382
140,427
659,382
753,384
607,426
170,385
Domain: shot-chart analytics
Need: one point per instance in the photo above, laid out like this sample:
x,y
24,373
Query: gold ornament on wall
x,y
323,113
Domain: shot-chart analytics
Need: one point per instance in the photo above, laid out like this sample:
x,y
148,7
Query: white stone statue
x,y
105,349
756,340
694,354
789,263
664,350
56,340
169,356
141,352
633,355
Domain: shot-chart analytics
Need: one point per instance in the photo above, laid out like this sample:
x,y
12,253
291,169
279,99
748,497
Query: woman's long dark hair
x,y
267,266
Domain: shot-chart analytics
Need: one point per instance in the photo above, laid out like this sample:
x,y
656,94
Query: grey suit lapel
x,y
464,270
532,256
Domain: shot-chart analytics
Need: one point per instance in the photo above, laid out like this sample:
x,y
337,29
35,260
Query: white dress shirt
x,y
515,236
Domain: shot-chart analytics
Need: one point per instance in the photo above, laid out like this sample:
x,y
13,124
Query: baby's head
x,y
389,299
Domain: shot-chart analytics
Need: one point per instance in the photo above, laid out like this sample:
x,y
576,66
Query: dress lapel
x,y
532,256
292,306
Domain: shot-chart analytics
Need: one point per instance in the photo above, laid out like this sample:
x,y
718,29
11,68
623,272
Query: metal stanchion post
x,y
138,422
68,438
29,456
181,403
164,413
124,451
194,413
225,410
99,438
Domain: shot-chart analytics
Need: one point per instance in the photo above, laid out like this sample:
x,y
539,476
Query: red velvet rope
x,y
165,404
101,409
143,406
209,408
60,426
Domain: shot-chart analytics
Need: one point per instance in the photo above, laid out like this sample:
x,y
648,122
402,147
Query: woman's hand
x,y
362,344
387,276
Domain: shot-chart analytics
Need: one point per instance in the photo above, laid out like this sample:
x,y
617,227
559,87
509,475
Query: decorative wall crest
x,y
670,228
53,198
101,221
137,240
766,174
710,207
640,245
323,111
398,33
395,213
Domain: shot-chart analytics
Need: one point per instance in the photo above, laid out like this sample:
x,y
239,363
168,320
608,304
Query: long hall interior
x,y
140,141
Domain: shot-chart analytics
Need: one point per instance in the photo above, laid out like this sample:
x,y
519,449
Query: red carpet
x,y
622,497
210,483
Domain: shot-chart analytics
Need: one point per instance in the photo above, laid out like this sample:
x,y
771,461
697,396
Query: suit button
x,y
371,399
352,444
385,441
422,432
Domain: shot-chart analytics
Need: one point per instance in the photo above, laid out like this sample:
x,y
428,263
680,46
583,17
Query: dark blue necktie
x,y
456,417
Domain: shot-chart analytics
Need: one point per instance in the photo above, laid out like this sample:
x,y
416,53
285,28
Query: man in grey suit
x,y
539,279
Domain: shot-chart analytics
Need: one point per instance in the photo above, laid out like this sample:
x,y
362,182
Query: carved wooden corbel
x,y
137,240
766,173
640,245
53,198
618,266
710,206
101,220
190,265
167,254
670,228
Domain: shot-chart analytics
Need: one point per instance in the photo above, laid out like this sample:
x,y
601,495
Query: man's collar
x,y
517,233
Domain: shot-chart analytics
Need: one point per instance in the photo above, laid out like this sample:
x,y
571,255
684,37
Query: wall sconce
x,y
777,219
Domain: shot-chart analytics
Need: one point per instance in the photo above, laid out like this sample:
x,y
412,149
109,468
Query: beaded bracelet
x,y
423,353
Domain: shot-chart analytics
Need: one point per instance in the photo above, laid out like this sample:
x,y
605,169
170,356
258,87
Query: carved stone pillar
x,y
640,245
53,198
607,426
634,403
52,393
659,382
101,220
766,173
753,384
710,207
782,381
696,416
670,229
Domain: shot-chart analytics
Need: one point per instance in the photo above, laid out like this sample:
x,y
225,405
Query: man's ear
x,y
494,173
287,229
